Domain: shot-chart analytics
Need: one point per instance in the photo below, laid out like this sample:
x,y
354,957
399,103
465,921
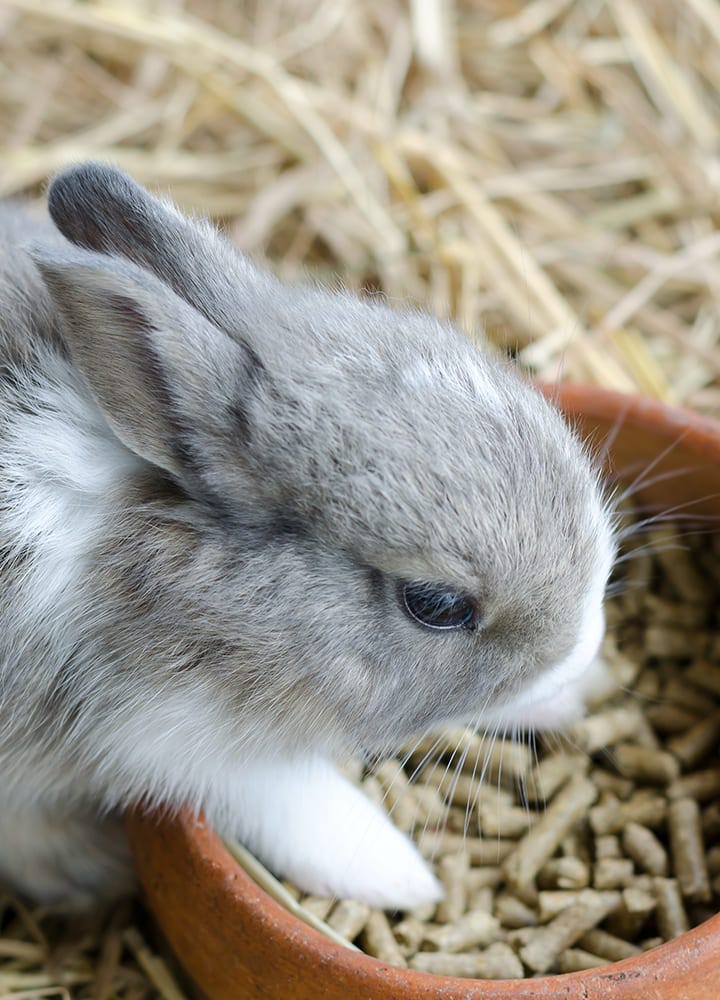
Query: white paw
x,y
309,824
361,855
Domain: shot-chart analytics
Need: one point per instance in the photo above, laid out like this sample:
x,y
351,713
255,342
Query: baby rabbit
x,y
248,528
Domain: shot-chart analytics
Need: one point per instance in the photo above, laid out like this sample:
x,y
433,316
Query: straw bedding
x,y
545,170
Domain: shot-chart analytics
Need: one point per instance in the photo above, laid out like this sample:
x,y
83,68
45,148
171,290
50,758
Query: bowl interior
x,y
236,941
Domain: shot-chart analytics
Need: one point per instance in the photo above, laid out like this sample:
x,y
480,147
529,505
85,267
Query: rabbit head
x,y
382,526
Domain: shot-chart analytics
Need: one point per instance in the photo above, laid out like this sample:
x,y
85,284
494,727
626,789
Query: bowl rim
x,y
673,962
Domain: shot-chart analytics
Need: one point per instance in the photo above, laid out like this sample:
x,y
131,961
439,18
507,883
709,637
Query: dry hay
x,y
546,170
103,954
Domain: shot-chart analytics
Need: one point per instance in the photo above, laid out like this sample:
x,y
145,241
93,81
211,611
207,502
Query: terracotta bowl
x,y
236,942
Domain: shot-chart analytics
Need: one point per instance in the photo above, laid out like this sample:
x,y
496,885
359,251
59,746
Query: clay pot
x,y
236,942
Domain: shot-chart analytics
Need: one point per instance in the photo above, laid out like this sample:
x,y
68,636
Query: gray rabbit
x,y
246,529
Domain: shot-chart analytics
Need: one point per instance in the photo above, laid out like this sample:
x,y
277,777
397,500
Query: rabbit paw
x,y
310,825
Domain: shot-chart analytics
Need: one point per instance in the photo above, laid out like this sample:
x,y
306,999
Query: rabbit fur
x,y
211,486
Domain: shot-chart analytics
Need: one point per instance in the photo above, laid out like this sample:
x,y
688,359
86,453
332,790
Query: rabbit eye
x,y
437,607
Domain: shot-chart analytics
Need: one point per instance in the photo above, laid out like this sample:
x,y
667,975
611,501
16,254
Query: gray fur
x,y
261,465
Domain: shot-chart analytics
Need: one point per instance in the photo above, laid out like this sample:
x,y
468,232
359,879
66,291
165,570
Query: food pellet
x,y
577,960
697,741
607,946
639,763
541,841
542,951
564,873
631,916
452,872
613,873
688,851
473,929
409,934
498,961
513,912
605,729
480,852
348,918
701,785
671,916
553,772
643,808
378,940
645,849
609,846
669,719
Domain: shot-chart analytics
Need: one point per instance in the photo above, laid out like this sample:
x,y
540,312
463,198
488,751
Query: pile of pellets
x,y
605,845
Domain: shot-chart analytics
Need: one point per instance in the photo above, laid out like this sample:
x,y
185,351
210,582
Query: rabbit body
x,y
213,488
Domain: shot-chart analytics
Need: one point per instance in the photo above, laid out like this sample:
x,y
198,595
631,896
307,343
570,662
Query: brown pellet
x,y
513,912
450,784
632,913
564,873
678,691
480,852
701,785
348,918
676,613
553,772
696,742
498,961
669,641
503,761
577,960
482,877
542,951
607,946
473,929
605,781
688,850
647,809
607,846
452,871
495,818
647,943
551,902
576,844
605,729
378,940
705,676
711,821
671,916
612,873
669,550
645,849
668,719
481,899
539,844
712,859
430,807
409,934
642,764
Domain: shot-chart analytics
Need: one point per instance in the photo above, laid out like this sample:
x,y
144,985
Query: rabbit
x,y
247,529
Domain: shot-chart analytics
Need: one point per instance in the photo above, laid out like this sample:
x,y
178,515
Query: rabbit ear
x,y
166,379
99,207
